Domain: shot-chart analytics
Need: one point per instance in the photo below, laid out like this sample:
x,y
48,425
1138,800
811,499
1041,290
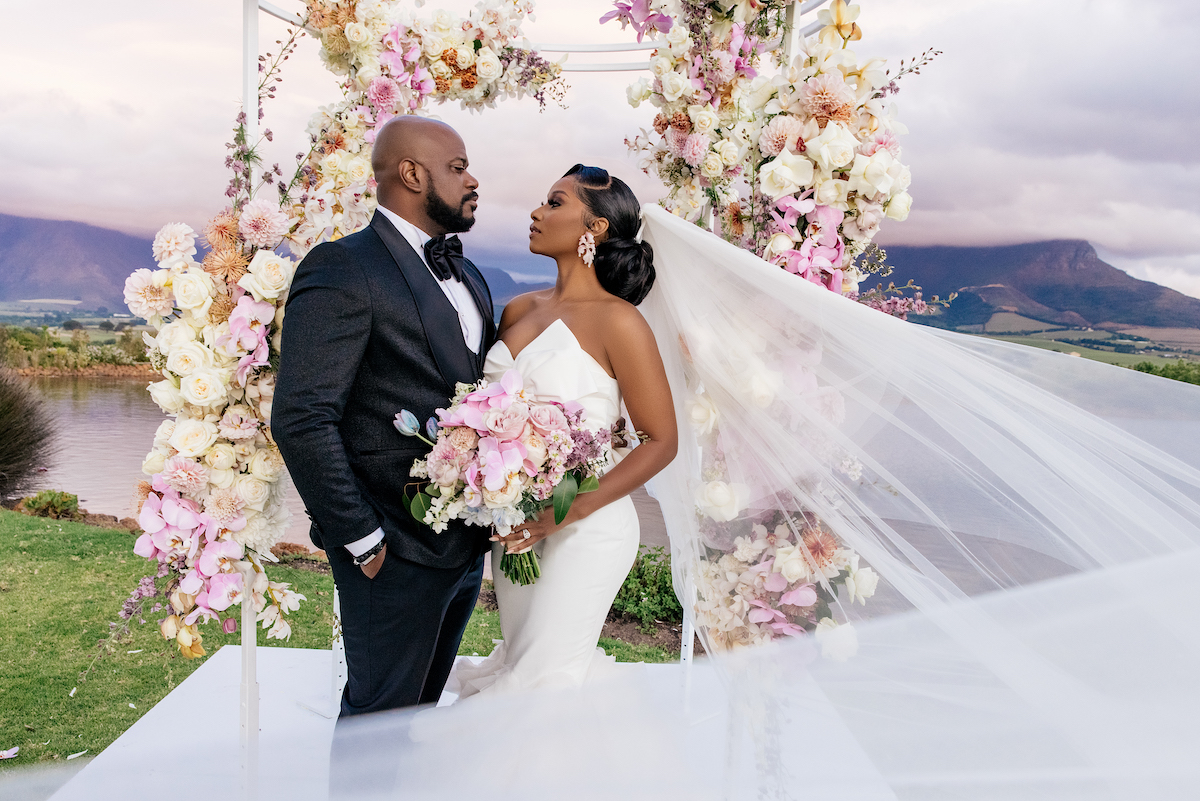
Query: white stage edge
x,y
198,723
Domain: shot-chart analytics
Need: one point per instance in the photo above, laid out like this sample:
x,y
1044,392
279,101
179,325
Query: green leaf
x,y
564,496
404,500
420,506
590,484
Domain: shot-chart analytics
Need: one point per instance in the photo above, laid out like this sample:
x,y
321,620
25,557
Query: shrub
x,y
28,431
1180,370
648,594
52,503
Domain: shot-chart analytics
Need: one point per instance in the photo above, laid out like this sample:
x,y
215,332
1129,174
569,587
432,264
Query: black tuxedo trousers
x,y
368,332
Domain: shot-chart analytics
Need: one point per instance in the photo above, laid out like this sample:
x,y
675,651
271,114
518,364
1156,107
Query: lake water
x,y
106,427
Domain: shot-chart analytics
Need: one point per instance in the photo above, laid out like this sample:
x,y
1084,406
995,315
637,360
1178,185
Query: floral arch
x,y
795,159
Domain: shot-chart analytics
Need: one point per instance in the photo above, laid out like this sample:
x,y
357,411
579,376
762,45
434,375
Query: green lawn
x,y
1066,346
61,584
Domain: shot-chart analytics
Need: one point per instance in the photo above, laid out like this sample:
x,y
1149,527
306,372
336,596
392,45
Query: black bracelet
x,y
364,558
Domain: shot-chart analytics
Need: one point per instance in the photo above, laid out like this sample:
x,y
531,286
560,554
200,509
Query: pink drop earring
x,y
587,248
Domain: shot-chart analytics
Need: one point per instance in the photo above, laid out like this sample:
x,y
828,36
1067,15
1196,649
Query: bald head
x,y
421,173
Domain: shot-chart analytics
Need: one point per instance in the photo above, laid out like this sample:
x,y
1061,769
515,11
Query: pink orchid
x,y
775,582
774,618
218,556
192,582
10,753
499,394
638,15
144,547
823,226
150,518
793,208
229,625
498,459
804,595
247,326
224,590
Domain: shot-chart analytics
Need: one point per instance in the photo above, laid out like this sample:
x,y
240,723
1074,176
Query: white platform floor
x,y
188,746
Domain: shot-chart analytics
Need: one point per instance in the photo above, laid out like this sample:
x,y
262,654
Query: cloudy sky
x,y
1071,119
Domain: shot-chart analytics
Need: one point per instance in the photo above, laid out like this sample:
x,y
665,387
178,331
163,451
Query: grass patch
x,y
627,652
62,583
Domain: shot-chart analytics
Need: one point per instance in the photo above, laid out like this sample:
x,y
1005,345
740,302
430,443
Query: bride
x,y
584,341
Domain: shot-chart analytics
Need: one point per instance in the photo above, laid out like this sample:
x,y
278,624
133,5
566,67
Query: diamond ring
x,y
525,534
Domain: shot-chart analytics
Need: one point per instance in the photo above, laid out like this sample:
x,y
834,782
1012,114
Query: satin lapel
x,y
483,300
454,359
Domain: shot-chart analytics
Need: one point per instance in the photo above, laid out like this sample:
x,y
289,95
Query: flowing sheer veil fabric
x,y
1033,521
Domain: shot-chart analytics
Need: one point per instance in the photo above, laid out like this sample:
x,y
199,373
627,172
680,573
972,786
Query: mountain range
x,y
56,259
1061,282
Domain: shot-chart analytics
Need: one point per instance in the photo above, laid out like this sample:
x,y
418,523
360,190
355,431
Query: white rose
x,y
832,192
222,479
834,147
786,174
193,437
204,387
712,166
899,206
443,21
678,37
702,414
704,119
661,65
761,90
440,69
269,275
673,86
488,65
869,175
638,92
244,450
790,562
188,358
503,497
729,152
358,170
174,334
357,33
266,464
154,462
762,386
720,501
779,243
221,456
331,163
433,46
253,491
838,643
167,396
465,55
193,290
162,435
861,584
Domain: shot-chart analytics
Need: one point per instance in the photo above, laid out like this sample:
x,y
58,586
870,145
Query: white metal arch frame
x,y
250,11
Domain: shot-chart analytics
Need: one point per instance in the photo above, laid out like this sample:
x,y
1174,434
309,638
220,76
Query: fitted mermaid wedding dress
x,y
551,627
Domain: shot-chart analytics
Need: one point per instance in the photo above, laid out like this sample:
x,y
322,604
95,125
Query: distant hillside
x,y
74,261
1061,281
68,260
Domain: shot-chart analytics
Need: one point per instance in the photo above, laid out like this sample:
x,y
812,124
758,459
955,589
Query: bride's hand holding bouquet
x,y
500,458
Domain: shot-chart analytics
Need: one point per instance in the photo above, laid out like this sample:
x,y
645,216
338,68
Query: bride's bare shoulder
x,y
520,306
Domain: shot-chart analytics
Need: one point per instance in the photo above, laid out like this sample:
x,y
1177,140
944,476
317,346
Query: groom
x,y
388,318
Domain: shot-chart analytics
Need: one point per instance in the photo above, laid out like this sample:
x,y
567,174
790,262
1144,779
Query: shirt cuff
x,y
359,547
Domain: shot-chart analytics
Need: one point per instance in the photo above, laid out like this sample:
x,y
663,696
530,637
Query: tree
x,y
72,325
106,325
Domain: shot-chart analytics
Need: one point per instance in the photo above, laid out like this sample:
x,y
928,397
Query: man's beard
x,y
452,219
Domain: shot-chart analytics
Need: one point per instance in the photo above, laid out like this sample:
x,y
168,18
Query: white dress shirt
x,y
469,320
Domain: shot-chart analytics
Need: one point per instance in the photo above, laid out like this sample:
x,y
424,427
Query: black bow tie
x,y
445,257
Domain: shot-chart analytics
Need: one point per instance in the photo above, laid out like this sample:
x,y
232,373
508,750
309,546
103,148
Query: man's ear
x,y
412,175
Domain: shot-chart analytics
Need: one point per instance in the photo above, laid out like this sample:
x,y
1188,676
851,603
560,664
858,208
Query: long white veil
x,y
925,565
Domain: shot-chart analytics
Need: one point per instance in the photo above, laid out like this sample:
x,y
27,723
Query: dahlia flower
x,y
147,294
782,131
174,241
263,224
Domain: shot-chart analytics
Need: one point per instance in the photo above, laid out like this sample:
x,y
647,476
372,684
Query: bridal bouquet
x,y
500,457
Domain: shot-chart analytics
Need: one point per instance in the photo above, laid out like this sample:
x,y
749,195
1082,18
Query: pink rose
x,y
508,424
547,418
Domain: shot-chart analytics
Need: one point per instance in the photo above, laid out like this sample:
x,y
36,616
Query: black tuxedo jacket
x,y
369,332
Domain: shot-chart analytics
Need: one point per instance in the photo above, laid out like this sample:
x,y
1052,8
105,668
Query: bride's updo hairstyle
x,y
624,265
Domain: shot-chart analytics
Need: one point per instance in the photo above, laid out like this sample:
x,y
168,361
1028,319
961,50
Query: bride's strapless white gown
x,y
550,628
